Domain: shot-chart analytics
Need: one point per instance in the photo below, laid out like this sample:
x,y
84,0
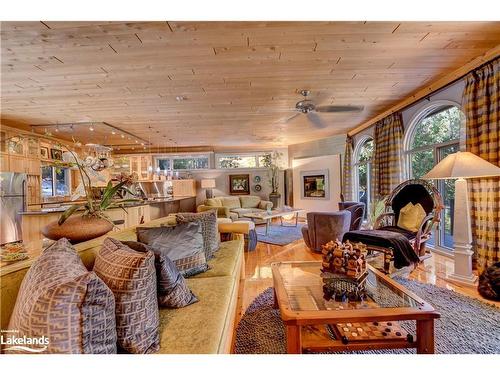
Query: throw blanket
x,y
393,237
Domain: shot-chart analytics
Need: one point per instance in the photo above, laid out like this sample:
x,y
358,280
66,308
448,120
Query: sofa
x,y
203,327
234,207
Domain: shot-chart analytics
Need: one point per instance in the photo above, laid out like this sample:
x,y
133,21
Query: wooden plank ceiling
x,y
239,79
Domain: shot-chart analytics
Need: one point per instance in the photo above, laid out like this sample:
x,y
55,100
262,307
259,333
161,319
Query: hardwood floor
x,y
258,276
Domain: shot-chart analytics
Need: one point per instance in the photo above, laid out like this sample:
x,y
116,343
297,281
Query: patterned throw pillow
x,y
183,244
208,220
171,286
131,276
61,300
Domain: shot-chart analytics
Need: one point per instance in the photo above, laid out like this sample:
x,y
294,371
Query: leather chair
x,y
323,227
357,213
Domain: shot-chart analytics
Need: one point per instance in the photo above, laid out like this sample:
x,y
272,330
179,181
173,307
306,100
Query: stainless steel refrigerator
x,y
12,202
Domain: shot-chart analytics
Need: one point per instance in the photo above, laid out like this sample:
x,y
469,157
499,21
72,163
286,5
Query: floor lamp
x,y
460,166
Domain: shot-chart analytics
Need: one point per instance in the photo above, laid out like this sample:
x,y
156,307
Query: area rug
x,y
279,235
466,325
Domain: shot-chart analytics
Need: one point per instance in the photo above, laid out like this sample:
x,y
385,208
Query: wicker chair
x,y
414,191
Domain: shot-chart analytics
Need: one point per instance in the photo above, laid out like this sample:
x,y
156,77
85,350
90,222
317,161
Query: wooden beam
x,y
433,87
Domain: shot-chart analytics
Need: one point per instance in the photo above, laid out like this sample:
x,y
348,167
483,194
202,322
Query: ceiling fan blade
x,y
316,120
340,108
292,118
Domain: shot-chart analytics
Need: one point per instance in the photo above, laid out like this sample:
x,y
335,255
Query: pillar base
x,y
470,280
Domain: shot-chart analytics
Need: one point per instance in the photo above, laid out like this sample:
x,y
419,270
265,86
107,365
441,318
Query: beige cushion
x,y
61,300
198,328
214,202
249,201
231,202
131,276
226,262
411,216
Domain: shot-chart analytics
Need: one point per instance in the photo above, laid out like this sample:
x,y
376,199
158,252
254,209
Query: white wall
x,y
330,162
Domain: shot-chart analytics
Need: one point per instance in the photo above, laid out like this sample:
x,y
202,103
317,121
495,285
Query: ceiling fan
x,y
308,107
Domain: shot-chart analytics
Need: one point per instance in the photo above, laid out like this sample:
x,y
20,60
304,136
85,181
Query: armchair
x,y
398,244
323,227
357,210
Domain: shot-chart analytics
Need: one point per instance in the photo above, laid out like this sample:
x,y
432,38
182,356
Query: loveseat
x,y
203,327
235,207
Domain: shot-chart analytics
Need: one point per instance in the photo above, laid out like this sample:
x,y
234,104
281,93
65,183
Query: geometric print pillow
x,y
208,220
131,276
172,288
59,299
183,244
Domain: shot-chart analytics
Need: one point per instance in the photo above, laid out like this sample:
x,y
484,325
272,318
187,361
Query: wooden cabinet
x,y
17,164
184,188
139,164
4,162
21,164
33,166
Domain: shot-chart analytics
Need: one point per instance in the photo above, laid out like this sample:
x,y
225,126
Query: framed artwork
x,y
44,152
239,184
55,154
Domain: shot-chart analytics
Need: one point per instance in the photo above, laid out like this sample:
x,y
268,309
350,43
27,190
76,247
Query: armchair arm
x,y
265,205
425,228
382,217
222,211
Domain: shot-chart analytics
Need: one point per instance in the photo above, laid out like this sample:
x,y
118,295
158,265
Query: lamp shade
x,y
462,165
208,183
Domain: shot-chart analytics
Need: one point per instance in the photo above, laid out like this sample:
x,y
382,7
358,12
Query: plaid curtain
x,y
347,170
481,103
387,162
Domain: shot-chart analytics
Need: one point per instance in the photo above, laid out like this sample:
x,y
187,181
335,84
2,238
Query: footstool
x,y
247,228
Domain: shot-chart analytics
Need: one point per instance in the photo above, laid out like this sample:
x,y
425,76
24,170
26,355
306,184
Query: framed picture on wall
x,y
44,152
239,184
55,154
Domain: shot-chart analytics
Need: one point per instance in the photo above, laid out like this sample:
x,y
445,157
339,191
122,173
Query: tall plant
x,y
273,163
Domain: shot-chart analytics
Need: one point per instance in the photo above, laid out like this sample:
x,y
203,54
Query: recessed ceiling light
x,y
91,128
113,132
122,135
180,98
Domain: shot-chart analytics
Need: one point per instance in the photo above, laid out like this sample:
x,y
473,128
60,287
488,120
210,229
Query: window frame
x,y
257,155
172,157
432,108
355,166
67,178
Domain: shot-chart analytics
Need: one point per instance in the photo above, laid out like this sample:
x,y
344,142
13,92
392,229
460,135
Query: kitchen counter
x,y
65,206
133,214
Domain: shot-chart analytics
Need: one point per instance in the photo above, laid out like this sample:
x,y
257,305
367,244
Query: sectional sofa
x,y
235,207
203,327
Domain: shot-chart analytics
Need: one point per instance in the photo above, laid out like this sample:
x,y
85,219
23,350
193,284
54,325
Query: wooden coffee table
x,y
268,216
314,324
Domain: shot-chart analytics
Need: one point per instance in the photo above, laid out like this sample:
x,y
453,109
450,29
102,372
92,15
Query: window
x,y
434,135
182,162
242,161
55,181
362,172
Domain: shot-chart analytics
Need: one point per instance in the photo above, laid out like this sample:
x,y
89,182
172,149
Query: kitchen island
x,y
136,213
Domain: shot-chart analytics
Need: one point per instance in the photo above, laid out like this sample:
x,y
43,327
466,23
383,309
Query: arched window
x,y
362,171
433,134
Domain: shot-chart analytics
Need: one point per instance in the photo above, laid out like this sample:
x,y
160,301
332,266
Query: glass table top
x,y
303,284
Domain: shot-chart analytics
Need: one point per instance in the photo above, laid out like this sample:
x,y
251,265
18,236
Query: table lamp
x,y
208,184
459,166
